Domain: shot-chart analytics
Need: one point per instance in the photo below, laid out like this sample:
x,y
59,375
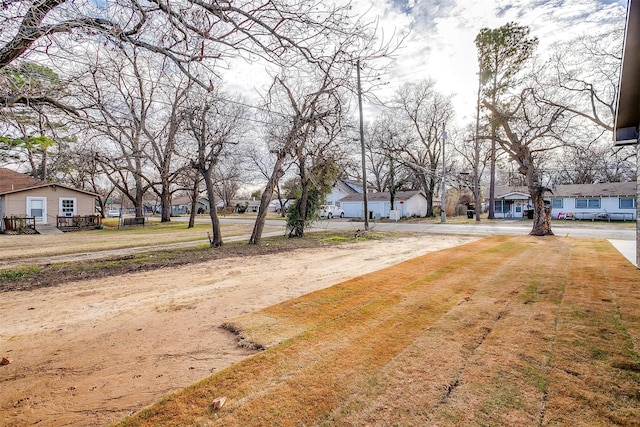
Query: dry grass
x,y
16,247
503,331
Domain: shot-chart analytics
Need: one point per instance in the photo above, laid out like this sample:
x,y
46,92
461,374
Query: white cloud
x,y
442,46
441,43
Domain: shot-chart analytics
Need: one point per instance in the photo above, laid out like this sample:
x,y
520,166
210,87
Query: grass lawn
x,y
517,331
19,247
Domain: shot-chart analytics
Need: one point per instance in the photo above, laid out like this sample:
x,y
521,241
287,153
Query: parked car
x,y
331,211
113,213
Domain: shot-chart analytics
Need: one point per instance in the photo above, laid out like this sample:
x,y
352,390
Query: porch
x,y
78,222
19,225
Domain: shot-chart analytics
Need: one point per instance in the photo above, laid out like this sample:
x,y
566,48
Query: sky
x,y
441,37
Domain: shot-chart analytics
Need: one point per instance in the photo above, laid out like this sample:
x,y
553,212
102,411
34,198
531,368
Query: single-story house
x,y
610,201
341,189
252,206
275,205
182,205
24,196
407,203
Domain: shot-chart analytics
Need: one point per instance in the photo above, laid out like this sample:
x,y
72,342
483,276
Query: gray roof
x,y
378,197
609,189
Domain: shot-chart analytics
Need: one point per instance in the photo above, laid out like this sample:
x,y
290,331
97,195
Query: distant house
x,y
408,203
341,189
276,205
611,201
250,206
182,205
23,196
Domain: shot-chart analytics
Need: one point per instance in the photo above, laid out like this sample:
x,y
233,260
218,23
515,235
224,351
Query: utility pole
x,y
443,196
476,155
364,164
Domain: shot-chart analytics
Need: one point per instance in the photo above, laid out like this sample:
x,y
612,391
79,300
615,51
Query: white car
x,y
330,211
113,213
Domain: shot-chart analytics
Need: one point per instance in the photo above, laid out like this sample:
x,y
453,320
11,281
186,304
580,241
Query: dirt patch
x,y
46,272
89,352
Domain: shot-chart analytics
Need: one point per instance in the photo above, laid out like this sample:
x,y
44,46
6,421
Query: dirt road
x,y
91,352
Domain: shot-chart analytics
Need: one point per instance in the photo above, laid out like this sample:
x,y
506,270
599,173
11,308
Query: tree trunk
x,y
139,193
276,174
298,230
429,192
541,213
138,204
216,241
165,202
194,204
492,180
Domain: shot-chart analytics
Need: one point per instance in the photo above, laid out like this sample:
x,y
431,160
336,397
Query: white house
x,y
609,201
341,189
408,203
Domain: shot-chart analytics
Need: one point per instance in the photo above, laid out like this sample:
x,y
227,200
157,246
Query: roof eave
x,y
20,190
627,116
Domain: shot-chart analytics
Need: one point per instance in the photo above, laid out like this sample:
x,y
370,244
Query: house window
x,y
587,203
557,203
68,207
627,203
37,208
498,206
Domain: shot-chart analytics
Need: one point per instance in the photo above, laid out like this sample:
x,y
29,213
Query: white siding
x,y
335,195
352,209
416,206
608,205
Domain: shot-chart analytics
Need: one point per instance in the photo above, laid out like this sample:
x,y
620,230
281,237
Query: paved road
x,y
485,228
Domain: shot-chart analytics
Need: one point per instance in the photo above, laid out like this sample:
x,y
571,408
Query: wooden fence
x,y
20,225
78,222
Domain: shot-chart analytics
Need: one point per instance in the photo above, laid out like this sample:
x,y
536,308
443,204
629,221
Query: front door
x,y
518,210
37,208
68,206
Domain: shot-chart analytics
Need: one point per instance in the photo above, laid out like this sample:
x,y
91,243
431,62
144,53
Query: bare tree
x,y
162,131
120,101
265,157
426,111
190,179
84,172
589,162
531,129
229,177
215,124
582,77
310,106
473,158
378,138
194,34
